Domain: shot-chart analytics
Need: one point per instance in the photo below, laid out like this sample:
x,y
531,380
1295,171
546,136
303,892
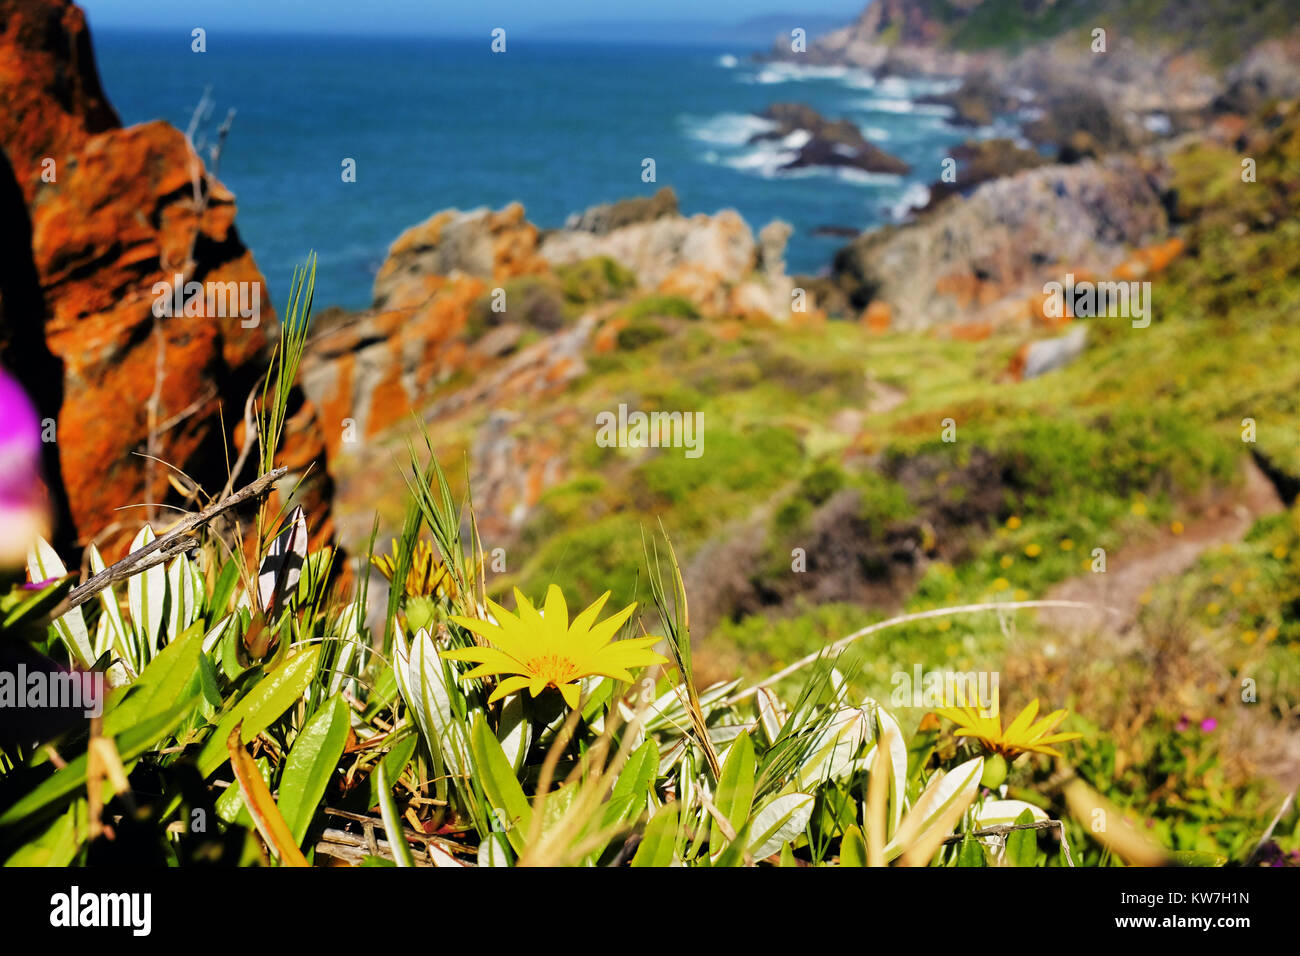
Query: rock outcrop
x,y
978,162
895,36
713,261
483,243
986,258
824,142
114,217
607,217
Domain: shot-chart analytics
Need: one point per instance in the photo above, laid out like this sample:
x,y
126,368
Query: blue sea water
x,y
558,126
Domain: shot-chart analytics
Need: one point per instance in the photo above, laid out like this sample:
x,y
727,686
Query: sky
x,y
434,17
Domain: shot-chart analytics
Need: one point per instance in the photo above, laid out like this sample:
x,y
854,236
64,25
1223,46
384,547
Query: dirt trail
x,y
1130,572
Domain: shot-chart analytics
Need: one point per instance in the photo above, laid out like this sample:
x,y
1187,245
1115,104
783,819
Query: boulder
x,y
484,243
826,142
714,261
981,160
986,258
113,218
605,218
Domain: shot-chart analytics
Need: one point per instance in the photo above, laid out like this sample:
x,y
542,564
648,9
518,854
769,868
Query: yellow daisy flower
x,y
1022,735
428,576
540,649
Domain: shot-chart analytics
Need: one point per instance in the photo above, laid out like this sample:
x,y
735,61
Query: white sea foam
x,y
726,129
764,159
727,61
796,139
891,104
914,197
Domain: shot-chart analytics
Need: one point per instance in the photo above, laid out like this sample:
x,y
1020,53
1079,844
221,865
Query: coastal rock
x,y
1270,71
112,215
52,94
1081,123
714,261
982,160
484,243
605,218
895,36
977,101
824,142
986,258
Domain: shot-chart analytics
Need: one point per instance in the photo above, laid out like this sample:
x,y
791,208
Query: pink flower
x,y
1208,725
23,506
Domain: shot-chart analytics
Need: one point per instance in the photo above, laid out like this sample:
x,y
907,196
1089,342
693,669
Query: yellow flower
x,y
428,575
1176,527
1139,508
1022,735
1007,561
542,649
1033,550
1280,552
1013,523
1067,544
1001,584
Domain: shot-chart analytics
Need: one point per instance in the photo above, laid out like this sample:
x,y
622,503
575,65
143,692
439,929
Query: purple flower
x,y
1208,725
23,512
1182,724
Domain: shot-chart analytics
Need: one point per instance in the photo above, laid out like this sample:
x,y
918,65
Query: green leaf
x,y
970,854
43,564
1022,845
310,764
112,616
659,842
275,693
261,805
632,789
141,736
392,820
145,594
780,821
735,793
230,805
853,848
164,683
39,604
223,589
395,762
58,845
1197,858
509,808
422,679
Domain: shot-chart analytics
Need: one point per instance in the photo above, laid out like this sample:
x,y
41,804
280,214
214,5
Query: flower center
x,y
555,669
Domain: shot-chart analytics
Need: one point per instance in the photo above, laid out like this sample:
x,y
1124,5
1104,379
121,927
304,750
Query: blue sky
x,y
436,17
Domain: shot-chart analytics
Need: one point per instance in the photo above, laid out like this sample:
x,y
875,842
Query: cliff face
x,y
898,36
109,213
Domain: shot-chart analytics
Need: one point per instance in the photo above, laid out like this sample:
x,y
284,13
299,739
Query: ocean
x,y
557,126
